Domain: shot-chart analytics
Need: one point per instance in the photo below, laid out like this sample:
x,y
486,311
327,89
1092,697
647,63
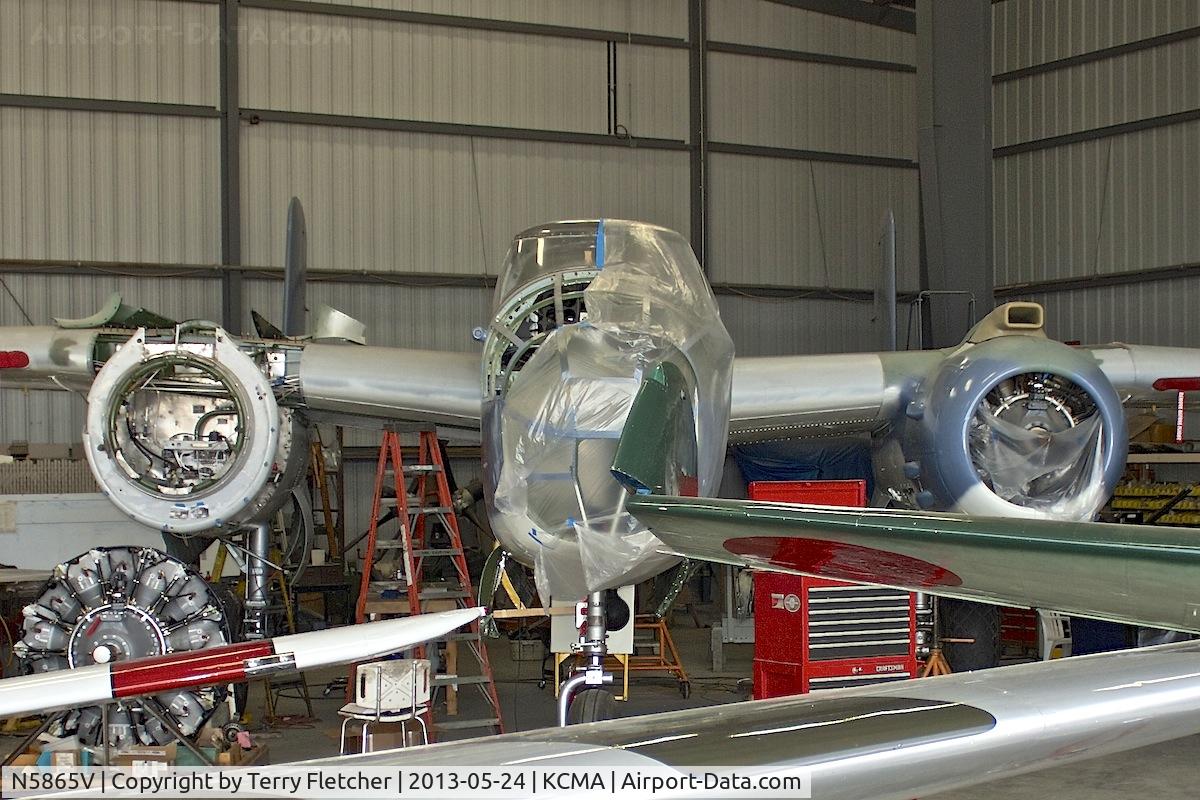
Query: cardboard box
x,y
233,757
145,756
27,759
53,753
237,756
389,735
185,757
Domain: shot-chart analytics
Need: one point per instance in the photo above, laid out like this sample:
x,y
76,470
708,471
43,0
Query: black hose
x,y
216,412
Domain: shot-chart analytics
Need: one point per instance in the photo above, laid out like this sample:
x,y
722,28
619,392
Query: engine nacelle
x,y
1016,426
185,434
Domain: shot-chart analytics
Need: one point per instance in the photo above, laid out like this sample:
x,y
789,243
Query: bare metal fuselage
x,y
583,311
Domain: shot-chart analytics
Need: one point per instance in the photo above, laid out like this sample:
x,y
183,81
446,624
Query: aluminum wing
x,y
898,740
1134,369
820,395
817,395
392,383
1137,574
44,357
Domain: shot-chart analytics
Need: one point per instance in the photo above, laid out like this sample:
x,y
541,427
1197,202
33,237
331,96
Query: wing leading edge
x,y
818,395
387,383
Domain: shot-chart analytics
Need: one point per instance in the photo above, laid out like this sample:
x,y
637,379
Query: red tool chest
x,y
812,633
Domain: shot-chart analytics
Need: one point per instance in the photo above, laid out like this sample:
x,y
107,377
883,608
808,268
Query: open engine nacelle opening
x,y
185,435
1016,426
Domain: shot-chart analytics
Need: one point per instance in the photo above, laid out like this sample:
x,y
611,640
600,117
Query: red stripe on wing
x,y
843,561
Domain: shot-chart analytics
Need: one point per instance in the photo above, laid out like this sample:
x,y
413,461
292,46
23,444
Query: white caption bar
x,y
366,783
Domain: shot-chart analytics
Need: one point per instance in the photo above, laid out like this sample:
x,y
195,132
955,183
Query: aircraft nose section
x,y
561,422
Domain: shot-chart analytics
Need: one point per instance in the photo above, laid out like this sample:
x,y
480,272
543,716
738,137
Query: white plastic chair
x,y
1054,633
388,692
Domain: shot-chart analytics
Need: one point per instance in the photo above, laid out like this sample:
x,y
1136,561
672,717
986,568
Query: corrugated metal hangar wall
x,y
151,147
1096,126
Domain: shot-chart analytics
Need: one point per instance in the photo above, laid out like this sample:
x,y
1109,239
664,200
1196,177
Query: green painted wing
x,y
1128,573
1137,574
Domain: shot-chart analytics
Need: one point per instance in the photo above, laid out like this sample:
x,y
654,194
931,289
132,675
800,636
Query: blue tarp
x,y
812,460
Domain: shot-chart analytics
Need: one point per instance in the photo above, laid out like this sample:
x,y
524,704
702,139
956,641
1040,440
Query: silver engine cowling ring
x,y
185,435
998,378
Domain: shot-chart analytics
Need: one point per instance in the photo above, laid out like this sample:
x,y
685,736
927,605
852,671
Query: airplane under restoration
x,y
195,432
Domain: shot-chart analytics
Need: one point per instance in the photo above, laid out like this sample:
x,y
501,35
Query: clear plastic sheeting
x,y
544,250
650,281
563,413
1058,472
560,424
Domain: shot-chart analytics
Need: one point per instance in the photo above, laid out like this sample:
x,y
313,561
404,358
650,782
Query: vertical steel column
x,y
232,303
954,113
885,287
698,126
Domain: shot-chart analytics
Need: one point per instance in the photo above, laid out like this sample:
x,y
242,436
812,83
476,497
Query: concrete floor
x,y
1166,772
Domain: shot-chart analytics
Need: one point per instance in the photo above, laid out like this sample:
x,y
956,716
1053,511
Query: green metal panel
x,y
1127,573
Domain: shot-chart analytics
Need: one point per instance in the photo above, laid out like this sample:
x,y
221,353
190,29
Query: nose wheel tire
x,y
592,705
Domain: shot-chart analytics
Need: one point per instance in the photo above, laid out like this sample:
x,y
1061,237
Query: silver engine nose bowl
x,y
1017,426
185,436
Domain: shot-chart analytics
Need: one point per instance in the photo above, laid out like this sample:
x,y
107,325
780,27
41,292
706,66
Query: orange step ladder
x,y
422,500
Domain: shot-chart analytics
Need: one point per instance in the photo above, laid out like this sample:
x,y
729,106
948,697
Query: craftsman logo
x,y
788,602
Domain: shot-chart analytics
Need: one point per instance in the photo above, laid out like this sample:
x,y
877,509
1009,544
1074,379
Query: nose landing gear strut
x,y
583,697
